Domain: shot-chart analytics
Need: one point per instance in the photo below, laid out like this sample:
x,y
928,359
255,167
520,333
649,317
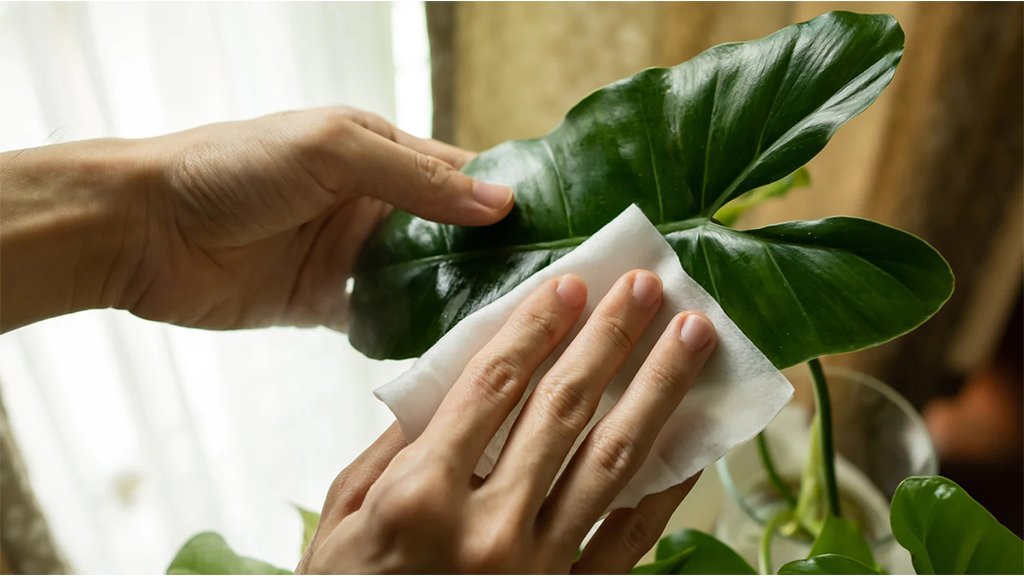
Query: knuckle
x,y
611,454
421,498
539,323
434,171
613,329
640,534
495,376
337,126
564,402
338,493
663,380
330,134
490,551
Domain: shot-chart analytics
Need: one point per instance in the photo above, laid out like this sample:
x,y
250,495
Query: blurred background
x,y
134,436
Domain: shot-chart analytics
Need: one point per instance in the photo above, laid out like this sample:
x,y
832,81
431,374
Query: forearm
x,y
72,228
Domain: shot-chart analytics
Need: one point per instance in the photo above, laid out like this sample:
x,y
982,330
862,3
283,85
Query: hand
x,y
419,508
233,225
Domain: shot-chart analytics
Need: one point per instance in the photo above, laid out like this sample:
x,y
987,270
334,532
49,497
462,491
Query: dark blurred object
x,y
26,545
979,433
441,31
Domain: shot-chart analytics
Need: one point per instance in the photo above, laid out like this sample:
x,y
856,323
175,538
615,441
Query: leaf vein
x,y
796,298
654,166
707,142
561,185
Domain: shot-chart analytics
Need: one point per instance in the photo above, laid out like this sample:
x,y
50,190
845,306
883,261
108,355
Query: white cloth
x,y
737,393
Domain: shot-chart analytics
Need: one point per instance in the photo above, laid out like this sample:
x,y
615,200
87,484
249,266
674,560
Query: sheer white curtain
x,y
136,434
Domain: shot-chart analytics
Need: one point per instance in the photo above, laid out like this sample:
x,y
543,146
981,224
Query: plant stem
x,y
828,454
773,475
764,552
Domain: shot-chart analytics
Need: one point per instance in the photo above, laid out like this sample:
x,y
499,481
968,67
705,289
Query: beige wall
x,y
521,66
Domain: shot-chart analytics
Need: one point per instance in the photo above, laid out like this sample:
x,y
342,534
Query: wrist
x,y
74,220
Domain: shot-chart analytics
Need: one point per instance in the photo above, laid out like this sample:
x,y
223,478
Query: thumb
x,y
346,493
425,185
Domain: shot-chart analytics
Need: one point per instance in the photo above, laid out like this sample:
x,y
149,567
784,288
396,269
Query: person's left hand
x,y
259,222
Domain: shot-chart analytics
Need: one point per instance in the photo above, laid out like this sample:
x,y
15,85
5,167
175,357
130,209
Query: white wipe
x,y
737,393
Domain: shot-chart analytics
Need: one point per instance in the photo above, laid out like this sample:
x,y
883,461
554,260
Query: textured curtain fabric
x,y
938,154
137,435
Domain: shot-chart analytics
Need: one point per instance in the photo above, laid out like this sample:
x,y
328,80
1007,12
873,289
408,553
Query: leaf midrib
x,y
663,229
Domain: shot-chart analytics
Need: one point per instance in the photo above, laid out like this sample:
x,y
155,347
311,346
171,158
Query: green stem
x,y
828,454
764,552
773,474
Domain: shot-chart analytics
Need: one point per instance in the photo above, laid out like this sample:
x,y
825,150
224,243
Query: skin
x,y
258,223
233,225
418,508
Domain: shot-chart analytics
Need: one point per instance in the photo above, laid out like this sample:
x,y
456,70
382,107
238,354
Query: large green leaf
x,y
826,564
693,552
948,532
680,143
208,553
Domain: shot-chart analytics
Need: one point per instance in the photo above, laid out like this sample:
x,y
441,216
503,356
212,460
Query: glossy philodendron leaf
x,y
694,552
208,553
680,143
948,532
826,564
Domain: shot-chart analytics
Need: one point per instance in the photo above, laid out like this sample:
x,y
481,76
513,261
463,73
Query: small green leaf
x,y
841,536
826,564
728,214
707,555
310,520
948,532
208,553
671,565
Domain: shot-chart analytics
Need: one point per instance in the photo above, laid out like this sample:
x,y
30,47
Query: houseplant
x,y
693,145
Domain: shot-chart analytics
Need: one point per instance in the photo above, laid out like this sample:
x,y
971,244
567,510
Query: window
x,y
138,435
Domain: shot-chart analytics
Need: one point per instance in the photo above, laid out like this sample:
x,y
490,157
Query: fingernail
x,y
491,195
572,291
696,332
646,288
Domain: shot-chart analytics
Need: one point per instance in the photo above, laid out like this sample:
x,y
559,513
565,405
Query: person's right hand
x,y
419,508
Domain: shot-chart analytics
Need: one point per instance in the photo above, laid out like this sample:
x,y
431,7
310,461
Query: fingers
x,y
349,488
495,379
453,155
628,533
620,441
423,184
565,399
